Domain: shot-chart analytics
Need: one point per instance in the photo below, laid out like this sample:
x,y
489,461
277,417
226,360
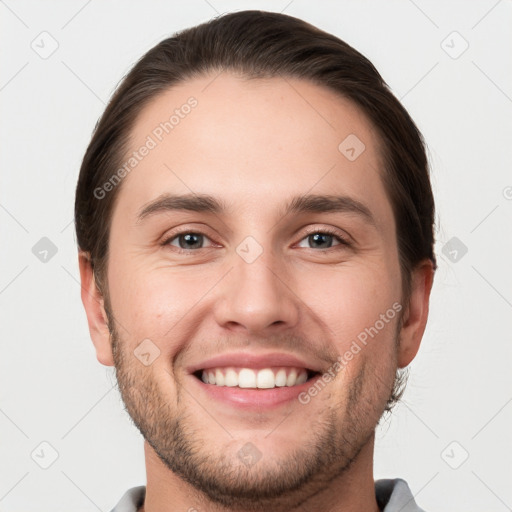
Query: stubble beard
x,y
278,485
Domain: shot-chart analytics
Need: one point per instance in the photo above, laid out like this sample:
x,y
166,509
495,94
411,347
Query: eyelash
x,y
327,231
324,231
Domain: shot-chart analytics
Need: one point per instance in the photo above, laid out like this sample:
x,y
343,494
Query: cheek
x,y
157,303
352,300
145,303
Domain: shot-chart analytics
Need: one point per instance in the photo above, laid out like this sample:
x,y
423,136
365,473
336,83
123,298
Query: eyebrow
x,y
205,203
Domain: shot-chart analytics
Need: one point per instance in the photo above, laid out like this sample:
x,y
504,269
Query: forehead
x,y
252,143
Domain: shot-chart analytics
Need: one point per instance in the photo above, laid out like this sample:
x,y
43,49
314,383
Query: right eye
x,y
186,240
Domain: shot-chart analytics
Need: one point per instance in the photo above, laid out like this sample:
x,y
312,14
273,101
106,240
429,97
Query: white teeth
x,y
219,378
266,378
247,378
231,378
280,380
291,379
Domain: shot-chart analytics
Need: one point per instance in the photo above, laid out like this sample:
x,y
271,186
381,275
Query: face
x,y
280,264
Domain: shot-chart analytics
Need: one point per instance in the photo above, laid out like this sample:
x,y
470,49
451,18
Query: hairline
x,y
384,158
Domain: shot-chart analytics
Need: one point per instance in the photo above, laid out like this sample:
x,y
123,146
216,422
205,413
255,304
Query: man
x,y
255,227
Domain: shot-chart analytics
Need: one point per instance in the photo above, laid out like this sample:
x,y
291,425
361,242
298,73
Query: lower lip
x,y
250,398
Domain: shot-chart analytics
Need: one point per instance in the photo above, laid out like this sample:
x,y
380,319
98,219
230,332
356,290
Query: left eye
x,y
323,240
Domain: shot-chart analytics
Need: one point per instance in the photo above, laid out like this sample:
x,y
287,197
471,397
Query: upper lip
x,y
252,360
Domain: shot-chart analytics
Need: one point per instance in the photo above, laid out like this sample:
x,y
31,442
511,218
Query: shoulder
x,y
394,495
132,499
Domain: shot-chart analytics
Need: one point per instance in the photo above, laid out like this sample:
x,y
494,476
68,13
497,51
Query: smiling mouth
x,y
249,378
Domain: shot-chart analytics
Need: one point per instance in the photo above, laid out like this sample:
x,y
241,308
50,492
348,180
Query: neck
x,y
352,491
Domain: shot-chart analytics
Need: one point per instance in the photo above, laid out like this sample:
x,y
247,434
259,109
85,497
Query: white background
x,y
52,387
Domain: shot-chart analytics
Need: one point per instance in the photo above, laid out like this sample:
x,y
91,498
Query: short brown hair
x,y
258,44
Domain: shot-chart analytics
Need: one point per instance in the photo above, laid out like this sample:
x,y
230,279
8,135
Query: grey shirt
x,y
393,495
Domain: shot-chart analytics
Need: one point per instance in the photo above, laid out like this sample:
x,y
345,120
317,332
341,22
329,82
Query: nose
x,y
258,296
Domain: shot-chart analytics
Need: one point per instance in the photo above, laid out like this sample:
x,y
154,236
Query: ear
x,y
416,313
93,302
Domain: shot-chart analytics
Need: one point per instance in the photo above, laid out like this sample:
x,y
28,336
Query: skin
x,y
254,144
